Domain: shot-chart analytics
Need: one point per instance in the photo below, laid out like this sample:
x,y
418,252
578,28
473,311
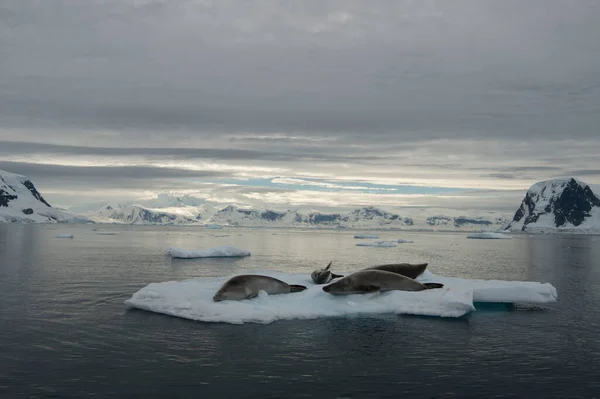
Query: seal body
x,y
323,276
247,286
405,269
366,281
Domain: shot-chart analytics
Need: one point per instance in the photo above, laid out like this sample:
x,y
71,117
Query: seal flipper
x,y
333,275
296,288
433,285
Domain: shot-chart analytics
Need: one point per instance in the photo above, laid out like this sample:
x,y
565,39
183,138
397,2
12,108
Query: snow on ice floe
x,y
373,236
226,251
385,244
192,299
489,235
65,235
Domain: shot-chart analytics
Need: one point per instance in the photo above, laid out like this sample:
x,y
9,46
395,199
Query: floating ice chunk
x,y
226,251
454,300
386,244
373,236
401,241
65,235
497,290
212,226
105,233
489,235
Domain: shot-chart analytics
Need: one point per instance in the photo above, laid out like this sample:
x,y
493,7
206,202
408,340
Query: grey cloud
x,y
391,69
15,147
93,174
585,172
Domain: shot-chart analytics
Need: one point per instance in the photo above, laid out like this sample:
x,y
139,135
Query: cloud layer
x,y
197,95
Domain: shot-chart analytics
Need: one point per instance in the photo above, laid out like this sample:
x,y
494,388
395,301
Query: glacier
x,y
192,299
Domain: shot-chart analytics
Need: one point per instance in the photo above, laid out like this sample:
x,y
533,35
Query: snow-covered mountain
x,y
367,217
558,205
21,202
137,214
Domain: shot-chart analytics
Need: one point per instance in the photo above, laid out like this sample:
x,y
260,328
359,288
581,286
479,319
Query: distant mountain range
x,y
553,205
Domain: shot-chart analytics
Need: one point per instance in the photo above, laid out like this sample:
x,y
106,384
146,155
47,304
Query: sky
x,y
307,104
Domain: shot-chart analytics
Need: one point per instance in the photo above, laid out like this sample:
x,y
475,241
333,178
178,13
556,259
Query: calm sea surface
x,y
65,332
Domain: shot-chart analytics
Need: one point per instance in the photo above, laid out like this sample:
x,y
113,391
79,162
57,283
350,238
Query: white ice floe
x,y
65,235
226,251
489,235
386,244
401,241
373,236
192,299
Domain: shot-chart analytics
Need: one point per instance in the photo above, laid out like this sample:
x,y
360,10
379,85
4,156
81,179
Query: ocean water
x,y
66,333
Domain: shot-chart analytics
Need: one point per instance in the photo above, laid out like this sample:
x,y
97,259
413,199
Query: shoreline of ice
x,y
488,235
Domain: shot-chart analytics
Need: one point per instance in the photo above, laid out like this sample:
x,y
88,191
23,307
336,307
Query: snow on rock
x,y
217,252
489,235
137,214
558,205
21,202
366,236
385,244
192,299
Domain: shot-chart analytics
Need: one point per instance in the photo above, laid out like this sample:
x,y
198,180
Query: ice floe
x,y
489,235
192,299
225,251
385,244
374,236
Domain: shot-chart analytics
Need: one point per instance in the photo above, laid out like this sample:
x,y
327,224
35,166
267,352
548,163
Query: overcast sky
x,y
460,104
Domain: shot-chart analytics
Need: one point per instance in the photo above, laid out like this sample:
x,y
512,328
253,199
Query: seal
x,y
405,269
366,281
247,286
323,276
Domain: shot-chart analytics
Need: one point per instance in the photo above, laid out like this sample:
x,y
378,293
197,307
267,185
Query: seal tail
x,y
433,285
333,275
296,288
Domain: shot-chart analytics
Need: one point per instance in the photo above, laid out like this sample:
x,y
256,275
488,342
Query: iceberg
x,y
212,226
385,244
374,236
226,251
192,299
489,235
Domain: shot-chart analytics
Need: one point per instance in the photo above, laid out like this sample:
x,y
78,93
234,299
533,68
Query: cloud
x,y
463,95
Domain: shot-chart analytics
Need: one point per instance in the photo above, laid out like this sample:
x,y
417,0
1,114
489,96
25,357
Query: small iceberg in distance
x,y
374,236
212,226
385,244
226,251
488,235
65,235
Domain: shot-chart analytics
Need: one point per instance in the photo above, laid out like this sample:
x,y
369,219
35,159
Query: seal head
x,y
323,276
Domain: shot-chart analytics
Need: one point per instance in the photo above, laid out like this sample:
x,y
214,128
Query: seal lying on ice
x,y
405,269
323,276
247,286
366,281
